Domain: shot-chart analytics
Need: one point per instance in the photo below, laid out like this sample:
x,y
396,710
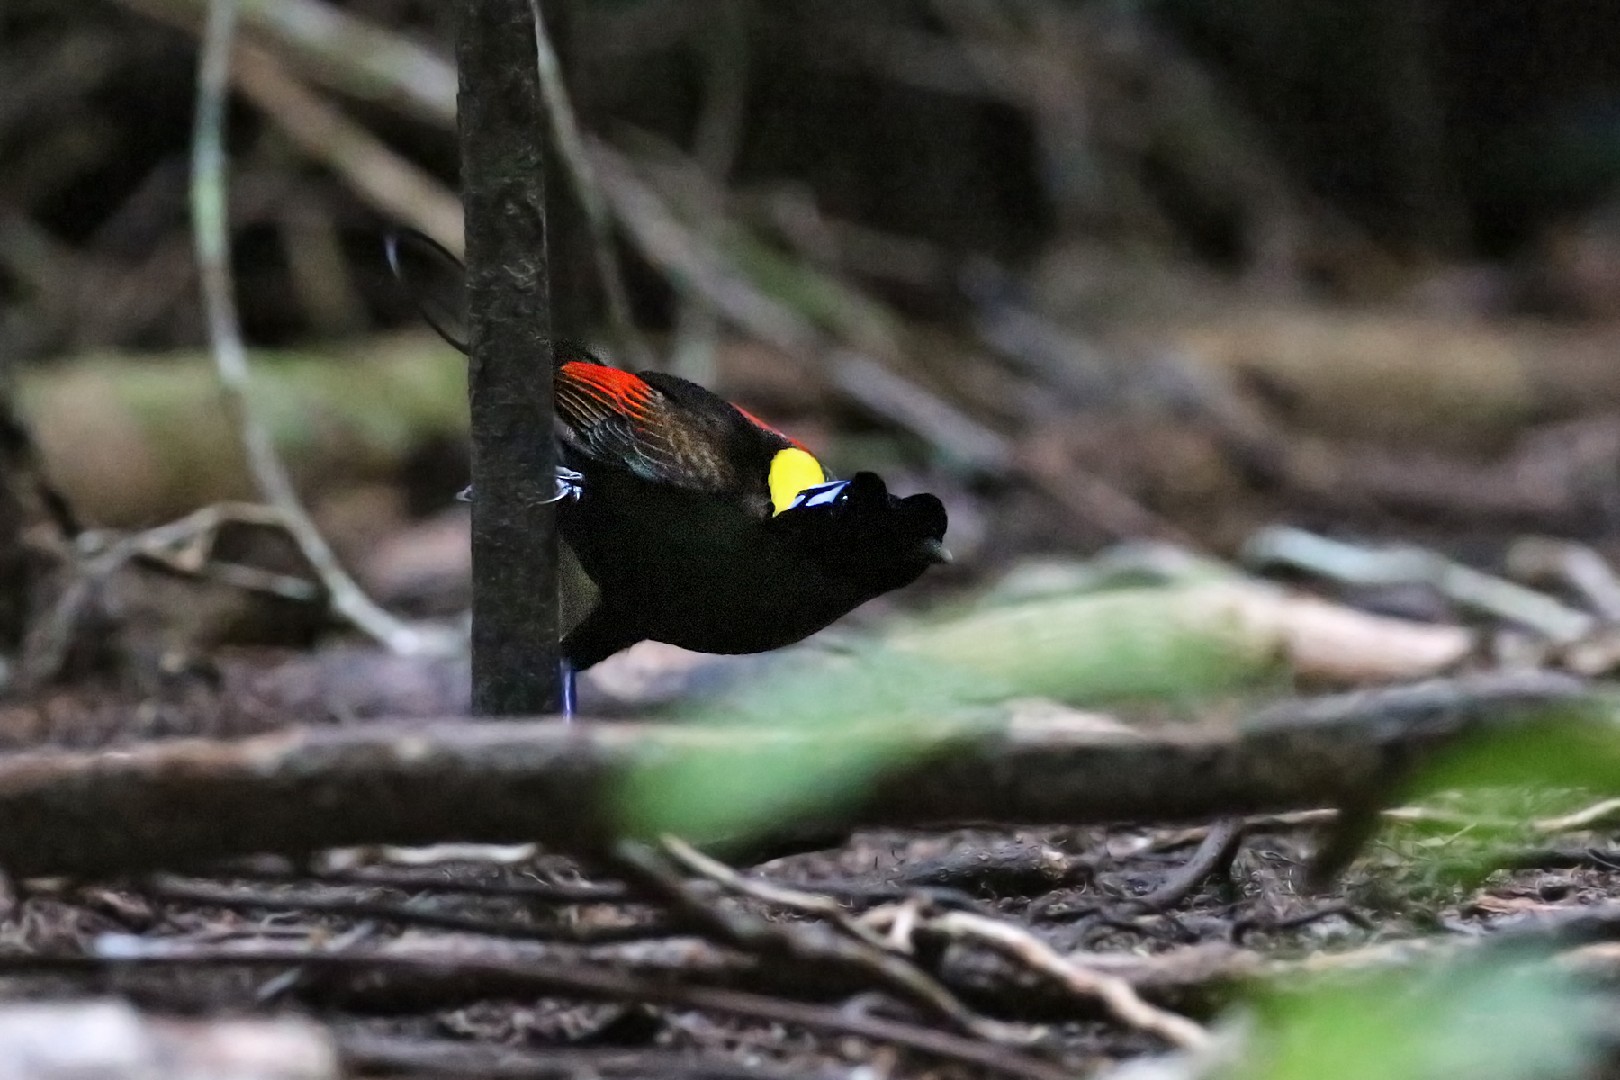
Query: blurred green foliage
x,y
836,723
1497,1019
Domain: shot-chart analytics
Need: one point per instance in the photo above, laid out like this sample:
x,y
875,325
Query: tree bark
x,y
514,540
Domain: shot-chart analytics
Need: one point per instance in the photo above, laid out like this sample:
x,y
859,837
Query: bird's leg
x,y
567,678
568,486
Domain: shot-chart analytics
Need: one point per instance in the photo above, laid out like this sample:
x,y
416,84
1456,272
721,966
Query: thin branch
x,y
715,144
391,184
808,945
570,146
185,546
1406,564
339,50
770,892
212,239
1116,994
1214,856
529,889
407,914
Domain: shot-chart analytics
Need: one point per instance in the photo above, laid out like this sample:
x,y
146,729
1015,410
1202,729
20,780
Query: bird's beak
x,y
935,551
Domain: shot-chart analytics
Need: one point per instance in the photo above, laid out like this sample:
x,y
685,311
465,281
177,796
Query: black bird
x,y
693,522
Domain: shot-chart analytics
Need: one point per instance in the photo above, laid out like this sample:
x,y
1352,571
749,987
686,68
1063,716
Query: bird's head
x,y
862,532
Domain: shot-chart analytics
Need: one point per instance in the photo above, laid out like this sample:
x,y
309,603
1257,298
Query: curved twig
x,y
212,240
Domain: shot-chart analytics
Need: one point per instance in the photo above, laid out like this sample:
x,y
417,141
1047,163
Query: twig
x,y
715,143
769,892
551,892
1555,859
809,944
1013,868
339,50
1597,816
583,892
238,899
1115,993
570,145
1578,565
184,546
1407,565
1214,856
208,211
1241,928
555,978
394,186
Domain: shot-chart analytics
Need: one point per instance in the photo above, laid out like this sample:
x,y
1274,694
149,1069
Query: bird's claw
x,y
568,487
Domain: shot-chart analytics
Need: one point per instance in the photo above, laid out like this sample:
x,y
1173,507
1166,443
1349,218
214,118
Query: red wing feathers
x,y
591,393
662,428
619,418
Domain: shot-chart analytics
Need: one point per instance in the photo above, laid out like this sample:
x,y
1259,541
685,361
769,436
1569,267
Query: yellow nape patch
x,y
792,470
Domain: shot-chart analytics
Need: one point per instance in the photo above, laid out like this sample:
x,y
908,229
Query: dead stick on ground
x,y
1117,995
190,801
770,892
1214,856
809,946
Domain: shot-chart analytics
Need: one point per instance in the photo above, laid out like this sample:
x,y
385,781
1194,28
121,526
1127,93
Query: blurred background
x,y
1093,270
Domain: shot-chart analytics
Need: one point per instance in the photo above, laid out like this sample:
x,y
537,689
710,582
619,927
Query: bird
x,y
686,519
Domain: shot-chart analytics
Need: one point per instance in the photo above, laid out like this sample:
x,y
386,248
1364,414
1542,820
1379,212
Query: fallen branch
x,y
1115,993
807,947
190,801
413,914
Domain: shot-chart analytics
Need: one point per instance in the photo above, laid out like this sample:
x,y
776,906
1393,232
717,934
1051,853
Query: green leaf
x,y
1497,1020
834,725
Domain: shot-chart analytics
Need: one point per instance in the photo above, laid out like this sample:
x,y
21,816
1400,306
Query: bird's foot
x,y
568,486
